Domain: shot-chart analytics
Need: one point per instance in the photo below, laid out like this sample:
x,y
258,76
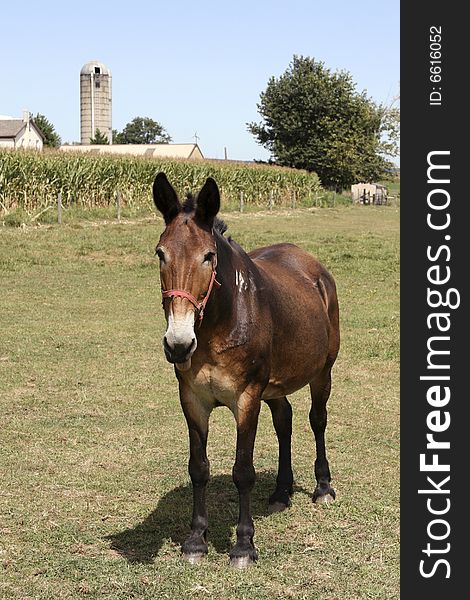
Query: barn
x,y
20,133
186,151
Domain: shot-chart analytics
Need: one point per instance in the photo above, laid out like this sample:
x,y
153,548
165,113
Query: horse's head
x,y
188,257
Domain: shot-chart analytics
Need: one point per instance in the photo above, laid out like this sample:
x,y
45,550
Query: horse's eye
x,y
208,257
161,255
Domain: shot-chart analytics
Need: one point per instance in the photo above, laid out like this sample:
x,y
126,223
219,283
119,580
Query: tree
x,y
314,119
100,138
390,127
142,130
51,137
117,137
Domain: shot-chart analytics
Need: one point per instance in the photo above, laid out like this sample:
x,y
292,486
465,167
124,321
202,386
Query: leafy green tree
x,y
142,130
314,119
100,138
117,137
390,127
51,137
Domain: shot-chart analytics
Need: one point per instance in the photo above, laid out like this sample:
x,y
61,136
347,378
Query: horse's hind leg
x,y
320,392
281,412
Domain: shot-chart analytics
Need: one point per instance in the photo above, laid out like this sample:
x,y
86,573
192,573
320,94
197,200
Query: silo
x,y
95,101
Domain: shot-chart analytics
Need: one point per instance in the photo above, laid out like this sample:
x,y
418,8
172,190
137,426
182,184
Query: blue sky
x,y
192,66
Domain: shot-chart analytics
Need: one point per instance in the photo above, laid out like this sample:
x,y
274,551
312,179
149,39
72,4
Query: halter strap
x,y
199,306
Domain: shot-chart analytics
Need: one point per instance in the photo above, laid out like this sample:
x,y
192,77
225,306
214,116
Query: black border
x,y
425,129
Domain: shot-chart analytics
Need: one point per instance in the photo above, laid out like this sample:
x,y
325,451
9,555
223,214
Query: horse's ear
x,y
208,202
165,198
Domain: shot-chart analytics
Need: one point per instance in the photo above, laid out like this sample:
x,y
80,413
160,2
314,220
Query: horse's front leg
x,y
248,407
197,418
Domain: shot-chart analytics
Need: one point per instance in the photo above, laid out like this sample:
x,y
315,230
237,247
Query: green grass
x,y
95,497
19,217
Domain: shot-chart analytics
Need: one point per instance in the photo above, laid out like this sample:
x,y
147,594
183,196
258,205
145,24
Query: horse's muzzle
x,y
179,353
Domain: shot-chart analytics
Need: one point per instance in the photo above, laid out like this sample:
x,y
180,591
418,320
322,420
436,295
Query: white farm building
x,y
20,133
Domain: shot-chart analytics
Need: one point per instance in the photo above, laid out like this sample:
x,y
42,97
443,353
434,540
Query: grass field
x,y
95,497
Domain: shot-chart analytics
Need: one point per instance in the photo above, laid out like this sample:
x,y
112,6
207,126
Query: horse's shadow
x,y
172,517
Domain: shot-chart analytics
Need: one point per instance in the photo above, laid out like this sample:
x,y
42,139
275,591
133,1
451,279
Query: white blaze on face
x,y
180,329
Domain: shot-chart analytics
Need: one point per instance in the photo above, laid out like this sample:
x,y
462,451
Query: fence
x,y
369,193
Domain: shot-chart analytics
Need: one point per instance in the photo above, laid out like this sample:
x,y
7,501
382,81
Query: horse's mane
x,y
189,206
220,225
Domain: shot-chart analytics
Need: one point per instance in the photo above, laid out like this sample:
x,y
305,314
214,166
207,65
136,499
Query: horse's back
x,y
304,308
292,272
290,259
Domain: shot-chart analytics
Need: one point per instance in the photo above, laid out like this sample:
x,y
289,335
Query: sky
x,y
196,67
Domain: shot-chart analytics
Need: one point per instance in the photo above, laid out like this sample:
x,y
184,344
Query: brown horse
x,y
242,328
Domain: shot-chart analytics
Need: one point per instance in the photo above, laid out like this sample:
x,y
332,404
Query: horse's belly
x,y
291,373
277,388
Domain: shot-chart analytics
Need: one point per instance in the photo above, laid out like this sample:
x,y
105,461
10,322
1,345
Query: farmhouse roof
x,y
175,150
10,128
147,150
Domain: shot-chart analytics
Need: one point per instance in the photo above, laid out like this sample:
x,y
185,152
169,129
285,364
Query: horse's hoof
x,y
323,494
325,499
194,559
243,555
241,562
276,507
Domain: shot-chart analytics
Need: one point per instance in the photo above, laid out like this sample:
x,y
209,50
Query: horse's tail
x,y
327,290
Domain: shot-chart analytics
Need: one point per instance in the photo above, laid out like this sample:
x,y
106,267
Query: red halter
x,y
200,306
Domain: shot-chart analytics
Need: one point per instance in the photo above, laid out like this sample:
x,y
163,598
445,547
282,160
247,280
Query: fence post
x,y
118,200
271,199
294,198
241,201
59,208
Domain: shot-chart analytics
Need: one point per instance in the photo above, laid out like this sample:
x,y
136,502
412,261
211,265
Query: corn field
x,y
31,181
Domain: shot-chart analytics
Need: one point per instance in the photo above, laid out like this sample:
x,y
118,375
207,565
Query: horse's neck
x,y
237,275
228,320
